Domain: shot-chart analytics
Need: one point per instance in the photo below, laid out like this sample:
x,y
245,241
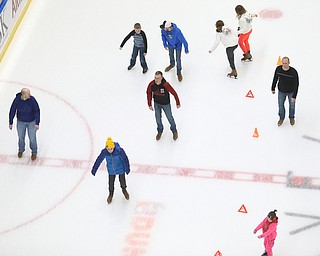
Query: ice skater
x,y
173,39
286,78
244,30
159,89
117,164
140,45
269,232
230,41
27,110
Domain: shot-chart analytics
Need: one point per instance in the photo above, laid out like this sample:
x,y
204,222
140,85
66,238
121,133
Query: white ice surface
x,y
67,53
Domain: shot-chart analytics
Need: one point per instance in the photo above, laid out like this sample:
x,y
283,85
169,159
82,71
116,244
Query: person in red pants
x,y
269,232
244,30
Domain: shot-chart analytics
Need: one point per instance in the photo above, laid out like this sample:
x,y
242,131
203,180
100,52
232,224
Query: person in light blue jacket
x,y
173,40
117,164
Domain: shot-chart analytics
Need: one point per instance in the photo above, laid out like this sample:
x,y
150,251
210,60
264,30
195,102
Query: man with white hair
x,y
173,39
27,110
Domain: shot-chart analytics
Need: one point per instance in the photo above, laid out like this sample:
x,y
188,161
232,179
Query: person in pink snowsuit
x,y
269,232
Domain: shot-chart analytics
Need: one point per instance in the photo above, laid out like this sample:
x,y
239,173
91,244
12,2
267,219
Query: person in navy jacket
x,y
117,164
173,40
27,110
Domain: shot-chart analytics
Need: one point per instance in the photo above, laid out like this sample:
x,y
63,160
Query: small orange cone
x,y
250,94
255,134
243,209
279,63
218,253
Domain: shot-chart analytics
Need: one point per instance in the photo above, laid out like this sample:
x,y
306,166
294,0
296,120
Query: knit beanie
x,y
109,143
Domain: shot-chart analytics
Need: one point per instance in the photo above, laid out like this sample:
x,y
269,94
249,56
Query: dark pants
x,y
230,56
122,179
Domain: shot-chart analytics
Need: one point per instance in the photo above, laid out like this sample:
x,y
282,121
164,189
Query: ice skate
x,y
280,122
144,70
292,121
233,74
264,254
109,198
175,135
169,68
33,156
125,193
158,137
247,57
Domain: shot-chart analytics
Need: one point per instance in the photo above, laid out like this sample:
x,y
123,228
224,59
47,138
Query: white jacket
x,y
227,37
245,22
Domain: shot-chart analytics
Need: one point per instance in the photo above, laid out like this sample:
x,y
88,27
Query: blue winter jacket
x,y
27,110
174,38
117,161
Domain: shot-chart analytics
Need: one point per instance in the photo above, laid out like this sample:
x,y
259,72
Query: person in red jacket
x,y
160,90
269,232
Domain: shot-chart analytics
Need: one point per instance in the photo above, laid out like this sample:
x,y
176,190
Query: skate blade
x,y
234,77
248,60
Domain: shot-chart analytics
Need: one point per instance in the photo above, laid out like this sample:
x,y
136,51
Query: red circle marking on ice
x,y
270,14
85,172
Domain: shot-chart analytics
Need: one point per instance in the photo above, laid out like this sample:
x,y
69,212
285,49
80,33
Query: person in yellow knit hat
x,y
117,164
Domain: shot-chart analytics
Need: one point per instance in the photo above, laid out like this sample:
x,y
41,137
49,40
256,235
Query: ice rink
x,y
185,195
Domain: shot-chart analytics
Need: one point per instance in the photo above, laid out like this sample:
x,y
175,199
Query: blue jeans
x,y
178,59
134,55
281,99
31,127
158,113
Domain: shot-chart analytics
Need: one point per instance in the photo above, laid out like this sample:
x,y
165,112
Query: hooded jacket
x,y
174,38
117,161
27,110
161,92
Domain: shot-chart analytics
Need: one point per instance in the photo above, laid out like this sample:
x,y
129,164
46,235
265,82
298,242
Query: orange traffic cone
x,y
255,134
279,63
